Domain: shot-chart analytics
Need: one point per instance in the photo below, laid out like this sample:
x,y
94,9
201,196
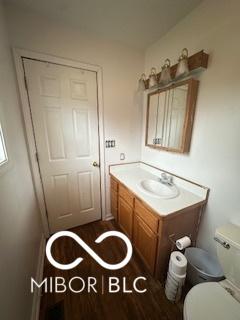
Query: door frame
x,y
19,54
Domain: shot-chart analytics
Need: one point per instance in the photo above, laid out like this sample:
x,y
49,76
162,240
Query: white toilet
x,y
219,300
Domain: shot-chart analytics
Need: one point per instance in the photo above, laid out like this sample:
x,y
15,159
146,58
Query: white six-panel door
x,y
63,102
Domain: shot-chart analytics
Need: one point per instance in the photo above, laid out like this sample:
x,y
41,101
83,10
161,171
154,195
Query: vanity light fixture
x,y
165,77
182,68
142,83
153,78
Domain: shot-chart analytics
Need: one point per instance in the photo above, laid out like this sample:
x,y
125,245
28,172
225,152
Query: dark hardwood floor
x,y
150,305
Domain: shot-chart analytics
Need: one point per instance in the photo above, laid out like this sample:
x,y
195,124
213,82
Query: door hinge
x,y
25,82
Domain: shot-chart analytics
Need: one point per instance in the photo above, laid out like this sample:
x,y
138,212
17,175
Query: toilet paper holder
x,y
172,236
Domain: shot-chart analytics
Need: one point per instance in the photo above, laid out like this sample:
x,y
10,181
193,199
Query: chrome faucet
x,y
166,179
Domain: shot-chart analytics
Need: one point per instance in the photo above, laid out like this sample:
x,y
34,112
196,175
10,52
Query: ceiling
x,y
136,23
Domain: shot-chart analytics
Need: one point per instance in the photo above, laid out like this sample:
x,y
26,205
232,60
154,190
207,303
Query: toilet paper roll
x,y
178,263
183,243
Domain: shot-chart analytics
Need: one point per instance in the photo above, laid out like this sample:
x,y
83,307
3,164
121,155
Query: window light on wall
x,y
3,151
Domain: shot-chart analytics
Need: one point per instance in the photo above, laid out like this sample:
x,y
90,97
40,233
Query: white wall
x,y
121,68
20,227
215,151
214,157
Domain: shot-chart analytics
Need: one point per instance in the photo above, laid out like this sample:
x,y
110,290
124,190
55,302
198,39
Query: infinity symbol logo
x,y
89,250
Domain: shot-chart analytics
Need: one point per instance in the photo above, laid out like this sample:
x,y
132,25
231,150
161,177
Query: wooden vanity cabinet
x,y
145,238
114,198
151,234
145,242
125,217
125,210
146,215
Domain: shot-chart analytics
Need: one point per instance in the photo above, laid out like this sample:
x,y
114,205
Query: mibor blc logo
x,y
89,250
114,284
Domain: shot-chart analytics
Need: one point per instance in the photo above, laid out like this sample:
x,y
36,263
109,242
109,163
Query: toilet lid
x,y
210,301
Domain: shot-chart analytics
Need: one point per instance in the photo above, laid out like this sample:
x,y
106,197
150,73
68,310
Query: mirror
x,y
170,114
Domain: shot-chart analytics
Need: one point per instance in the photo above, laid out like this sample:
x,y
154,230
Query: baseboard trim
x,y
38,278
109,217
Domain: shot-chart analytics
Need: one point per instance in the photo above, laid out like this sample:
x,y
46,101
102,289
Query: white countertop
x,y
131,176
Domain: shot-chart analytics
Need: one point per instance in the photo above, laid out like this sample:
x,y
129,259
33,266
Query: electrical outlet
x,y
122,156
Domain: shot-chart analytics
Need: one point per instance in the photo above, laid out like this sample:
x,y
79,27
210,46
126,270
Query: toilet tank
x,y
228,251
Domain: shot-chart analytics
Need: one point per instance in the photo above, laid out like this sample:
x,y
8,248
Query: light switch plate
x,y
110,143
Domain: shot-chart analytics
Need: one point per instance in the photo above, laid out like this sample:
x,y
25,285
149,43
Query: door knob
x,y
95,164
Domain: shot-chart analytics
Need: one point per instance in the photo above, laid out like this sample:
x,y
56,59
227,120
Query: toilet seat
x,y
210,301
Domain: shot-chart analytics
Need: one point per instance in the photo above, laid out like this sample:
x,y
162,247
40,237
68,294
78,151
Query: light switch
x,y
110,143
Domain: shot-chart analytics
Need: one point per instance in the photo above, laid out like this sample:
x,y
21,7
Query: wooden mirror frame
x,y
189,115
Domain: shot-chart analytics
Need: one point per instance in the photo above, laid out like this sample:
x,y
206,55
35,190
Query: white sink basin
x,y
158,190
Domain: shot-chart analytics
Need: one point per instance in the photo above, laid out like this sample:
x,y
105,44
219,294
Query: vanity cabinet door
x,y
147,216
114,204
114,198
145,241
114,185
125,194
125,217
